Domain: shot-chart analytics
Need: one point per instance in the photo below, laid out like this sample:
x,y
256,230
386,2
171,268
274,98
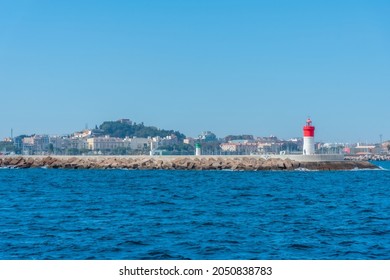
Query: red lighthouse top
x,y
308,129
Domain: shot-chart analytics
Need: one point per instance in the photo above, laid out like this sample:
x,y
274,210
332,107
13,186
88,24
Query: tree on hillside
x,y
207,136
121,130
117,129
238,137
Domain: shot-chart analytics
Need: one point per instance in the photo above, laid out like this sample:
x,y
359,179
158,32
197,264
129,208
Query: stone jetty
x,y
252,163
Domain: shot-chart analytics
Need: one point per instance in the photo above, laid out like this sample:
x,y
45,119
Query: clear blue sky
x,y
231,67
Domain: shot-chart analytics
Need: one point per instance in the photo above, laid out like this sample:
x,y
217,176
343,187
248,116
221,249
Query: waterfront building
x,y
104,143
189,141
267,147
365,149
60,143
242,147
79,143
36,144
168,140
137,143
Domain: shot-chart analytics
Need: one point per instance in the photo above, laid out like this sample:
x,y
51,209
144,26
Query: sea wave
x,y
162,214
305,169
367,169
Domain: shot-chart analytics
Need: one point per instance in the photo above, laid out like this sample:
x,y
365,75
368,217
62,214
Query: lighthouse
x,y
308,138
198,149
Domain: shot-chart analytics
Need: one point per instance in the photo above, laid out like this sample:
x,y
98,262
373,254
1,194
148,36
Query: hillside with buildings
x,y
126,128
124,137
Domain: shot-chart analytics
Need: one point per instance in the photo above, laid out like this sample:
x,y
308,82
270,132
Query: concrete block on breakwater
x,y
179,163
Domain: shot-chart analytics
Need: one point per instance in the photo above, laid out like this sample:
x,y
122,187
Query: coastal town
x,y
124,137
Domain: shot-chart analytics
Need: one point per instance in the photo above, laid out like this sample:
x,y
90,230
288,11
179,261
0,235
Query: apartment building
x,y
104,143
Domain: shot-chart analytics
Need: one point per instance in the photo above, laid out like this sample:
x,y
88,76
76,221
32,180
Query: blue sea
x,y
156,214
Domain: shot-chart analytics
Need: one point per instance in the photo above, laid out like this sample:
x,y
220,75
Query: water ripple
x,y
118,214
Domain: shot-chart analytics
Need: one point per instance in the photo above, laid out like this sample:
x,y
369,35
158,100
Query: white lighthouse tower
x,y
198,149
308,138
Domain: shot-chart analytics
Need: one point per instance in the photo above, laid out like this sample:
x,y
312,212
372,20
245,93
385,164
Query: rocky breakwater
x,y
176,163
380,157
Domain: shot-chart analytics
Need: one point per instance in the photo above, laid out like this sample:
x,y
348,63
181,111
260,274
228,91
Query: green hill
x,y
120,129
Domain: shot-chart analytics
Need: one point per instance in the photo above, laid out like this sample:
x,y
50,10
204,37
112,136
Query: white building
x,y
240,147
364,149
104,143
80,143
136,143
189,141
83,134
168,140
37,144
60,142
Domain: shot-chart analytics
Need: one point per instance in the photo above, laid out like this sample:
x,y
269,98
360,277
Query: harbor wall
x,y
311,158
180,163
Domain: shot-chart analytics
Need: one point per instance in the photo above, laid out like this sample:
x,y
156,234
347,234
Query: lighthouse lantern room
x,y
308,138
